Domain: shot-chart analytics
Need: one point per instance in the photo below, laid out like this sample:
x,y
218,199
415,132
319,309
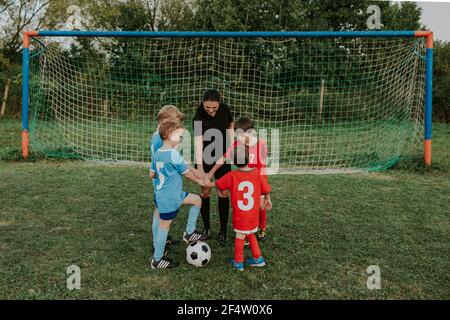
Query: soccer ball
x,y
198,253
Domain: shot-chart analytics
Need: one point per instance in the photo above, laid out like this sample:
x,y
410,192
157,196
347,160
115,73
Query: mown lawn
x,y
325,230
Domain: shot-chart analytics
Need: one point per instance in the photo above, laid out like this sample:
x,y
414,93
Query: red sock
x,y
256,253
262,219
238,250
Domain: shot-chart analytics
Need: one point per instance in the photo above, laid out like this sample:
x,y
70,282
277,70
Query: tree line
x,y
17,16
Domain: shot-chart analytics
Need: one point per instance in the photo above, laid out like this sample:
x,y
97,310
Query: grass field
x,y
325,230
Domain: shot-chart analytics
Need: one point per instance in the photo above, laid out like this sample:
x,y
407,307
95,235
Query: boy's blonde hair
x,y
168,126
170,112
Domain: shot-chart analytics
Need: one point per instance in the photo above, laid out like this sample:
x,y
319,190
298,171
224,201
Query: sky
x,y
436,16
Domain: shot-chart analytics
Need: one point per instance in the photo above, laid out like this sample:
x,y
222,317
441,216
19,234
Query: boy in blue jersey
x,y
169,168
166,112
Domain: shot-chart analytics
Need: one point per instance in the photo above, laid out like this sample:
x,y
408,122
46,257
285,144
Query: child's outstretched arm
x,y
223,158
191,176
197,173
216,167
208,182
223,183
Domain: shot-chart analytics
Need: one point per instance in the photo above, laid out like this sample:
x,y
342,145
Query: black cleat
x,y
192,237
164,263
262,235
223,239
206,233
171,241
166,253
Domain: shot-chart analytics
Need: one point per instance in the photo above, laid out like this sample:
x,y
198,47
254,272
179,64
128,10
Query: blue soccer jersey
x,y
169,166
155,143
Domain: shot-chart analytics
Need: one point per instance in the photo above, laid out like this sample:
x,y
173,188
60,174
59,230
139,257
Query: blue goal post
x,y
428,35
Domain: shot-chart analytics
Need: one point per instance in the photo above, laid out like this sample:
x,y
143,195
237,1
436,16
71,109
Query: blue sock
x,y
160,244
192,219
155,226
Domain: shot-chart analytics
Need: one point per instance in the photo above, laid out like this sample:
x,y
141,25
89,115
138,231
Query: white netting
x,y
339,104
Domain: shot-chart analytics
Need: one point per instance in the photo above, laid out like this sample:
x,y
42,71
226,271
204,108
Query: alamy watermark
x,y
74,277
374,279
74,20
214,150
374,21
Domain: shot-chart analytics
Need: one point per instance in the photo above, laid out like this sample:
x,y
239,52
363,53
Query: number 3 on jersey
x,y
248,189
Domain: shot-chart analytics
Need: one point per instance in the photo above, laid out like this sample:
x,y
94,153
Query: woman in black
x,y
209,147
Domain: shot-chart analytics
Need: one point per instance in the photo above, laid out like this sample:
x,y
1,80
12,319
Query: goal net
x,y
336,104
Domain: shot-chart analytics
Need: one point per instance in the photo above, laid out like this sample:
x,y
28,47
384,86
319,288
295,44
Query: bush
x,y
441,82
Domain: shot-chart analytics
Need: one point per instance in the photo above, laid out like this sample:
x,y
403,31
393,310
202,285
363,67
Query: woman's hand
x,y
207,182
200,170
207,179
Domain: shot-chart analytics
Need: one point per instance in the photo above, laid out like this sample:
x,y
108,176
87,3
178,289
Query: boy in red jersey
x,y
246,135
246,186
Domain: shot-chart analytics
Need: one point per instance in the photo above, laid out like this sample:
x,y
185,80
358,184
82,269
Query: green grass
x,y
324,230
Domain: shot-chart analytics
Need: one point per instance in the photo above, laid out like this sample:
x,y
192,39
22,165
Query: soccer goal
x,y
335,101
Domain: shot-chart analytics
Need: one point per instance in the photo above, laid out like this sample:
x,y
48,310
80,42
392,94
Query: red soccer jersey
x,y
246,188
257,154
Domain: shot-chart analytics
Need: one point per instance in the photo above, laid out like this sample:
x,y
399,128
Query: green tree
x,y
18,16
116,15
138,14
257,15
402,16
175,15
441,81
251,15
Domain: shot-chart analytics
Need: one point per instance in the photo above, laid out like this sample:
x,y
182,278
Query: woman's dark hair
x,y
244,124
211,95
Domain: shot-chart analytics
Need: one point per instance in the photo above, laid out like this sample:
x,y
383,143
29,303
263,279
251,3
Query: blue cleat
x,y
237,265
252,262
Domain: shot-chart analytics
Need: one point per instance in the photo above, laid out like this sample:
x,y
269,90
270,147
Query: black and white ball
x,y
198,253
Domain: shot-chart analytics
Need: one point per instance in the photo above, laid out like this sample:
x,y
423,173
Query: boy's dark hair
x,y
244,124
168,126
211,95
240,156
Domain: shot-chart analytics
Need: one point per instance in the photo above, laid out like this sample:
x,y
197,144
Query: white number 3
x,y
247,195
